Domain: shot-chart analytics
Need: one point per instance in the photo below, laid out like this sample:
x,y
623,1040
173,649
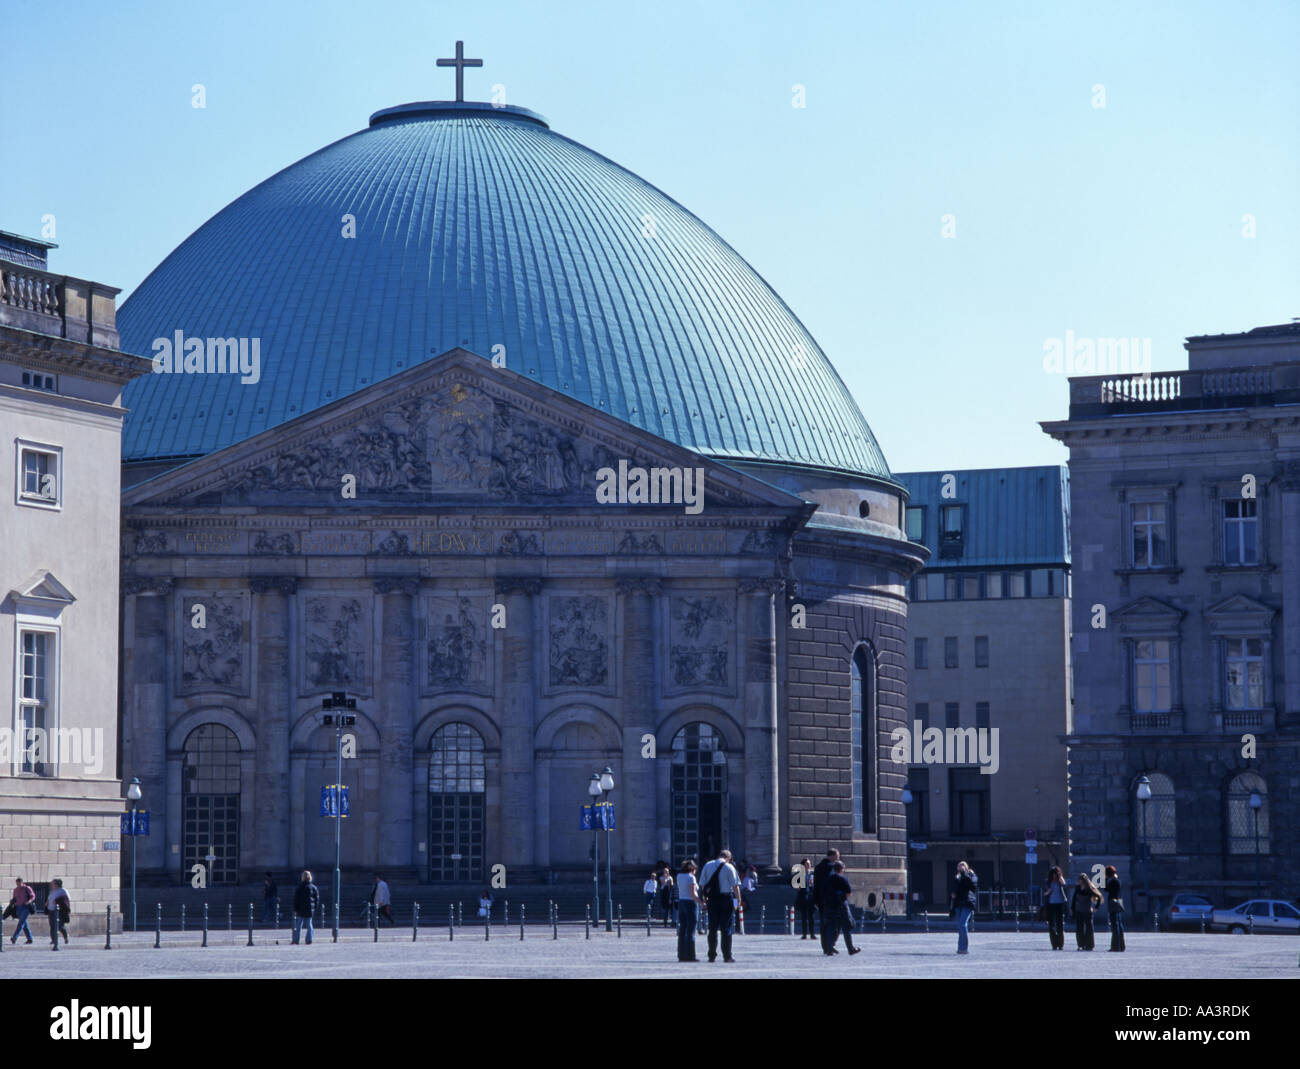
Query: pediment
x,y
453,431
1237,605
1148,614
1239,613
42,593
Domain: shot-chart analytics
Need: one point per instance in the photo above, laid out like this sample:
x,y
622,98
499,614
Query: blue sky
x,y
1122,221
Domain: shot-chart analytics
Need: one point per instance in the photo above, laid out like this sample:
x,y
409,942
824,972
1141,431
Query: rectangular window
x,y
1151,676
1016,585
39,381
970,587
934,586
918,812
920,653
1240,532
35,662
1244,673
951,587
1040,580
923,714
1149,535
951,516
993,585
951,714
968,793
950,652
915,523
39,476
981,651
917,588
981,714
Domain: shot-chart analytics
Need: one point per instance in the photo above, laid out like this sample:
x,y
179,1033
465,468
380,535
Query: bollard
x,y
1252,924
1202,923
277,917
647,922
205,924
521,923
1017,922
250,924
459,916
230,917
108,928
451,923
762,919
336,922
884,913
375,913
415,922
620,921
555,921
505,923
182,916
157,932
487,927
588,922
926,917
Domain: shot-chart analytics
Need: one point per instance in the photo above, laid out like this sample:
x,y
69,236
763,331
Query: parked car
x,y
1186,910
1260,915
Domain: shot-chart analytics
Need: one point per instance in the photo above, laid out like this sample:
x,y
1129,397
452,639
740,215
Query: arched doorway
x,y
699,793
210,784
457,775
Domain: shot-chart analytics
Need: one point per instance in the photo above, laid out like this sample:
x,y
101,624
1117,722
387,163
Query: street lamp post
x,y
338,700
907,856
1256,803
594,792
134,793
607,788
1144,796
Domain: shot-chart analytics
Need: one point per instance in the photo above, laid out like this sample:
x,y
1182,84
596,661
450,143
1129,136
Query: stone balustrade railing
x,y
1096,396
65,307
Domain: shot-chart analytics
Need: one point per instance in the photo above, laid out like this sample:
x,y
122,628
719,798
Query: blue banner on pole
x,y
329,800
141,823
603,817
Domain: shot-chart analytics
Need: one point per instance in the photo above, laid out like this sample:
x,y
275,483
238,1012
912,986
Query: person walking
x,y
721,884
965,885
22,901
1083,901
485,904
837,895
821,879
688,909
803,902
1054,906
651,891
1114,909
382,899
306,900
58,909
270,899
667,900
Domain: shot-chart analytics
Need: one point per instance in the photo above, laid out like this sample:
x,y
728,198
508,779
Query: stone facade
x,y
1186,528
61,378
504,635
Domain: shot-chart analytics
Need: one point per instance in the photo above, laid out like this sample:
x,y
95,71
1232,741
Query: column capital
x,y
397,584
767,584
517,584
273,584
638,584
148,584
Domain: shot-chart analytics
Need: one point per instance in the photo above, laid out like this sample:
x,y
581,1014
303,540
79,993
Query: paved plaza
x,y
572,955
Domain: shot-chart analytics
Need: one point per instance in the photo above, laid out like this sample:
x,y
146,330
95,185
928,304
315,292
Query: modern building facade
x,y
472,333
988,643
61,380
1186,528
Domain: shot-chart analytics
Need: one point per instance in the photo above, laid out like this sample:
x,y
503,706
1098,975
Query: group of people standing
x,y
1082,902
823,892
718,892
58,910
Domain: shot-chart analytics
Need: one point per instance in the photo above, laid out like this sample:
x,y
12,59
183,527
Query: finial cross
x,y
460,63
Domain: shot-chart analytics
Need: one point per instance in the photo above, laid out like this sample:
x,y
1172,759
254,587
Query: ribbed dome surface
x,y
478,227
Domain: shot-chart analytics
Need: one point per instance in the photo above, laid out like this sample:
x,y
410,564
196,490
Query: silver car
x,y
1259,915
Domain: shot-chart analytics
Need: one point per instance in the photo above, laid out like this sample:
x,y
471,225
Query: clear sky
x,y
1128,220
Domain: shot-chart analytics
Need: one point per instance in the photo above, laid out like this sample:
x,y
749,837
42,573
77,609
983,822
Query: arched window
x,y
699,793
457,771
1247,826
863,707
1160,830
210,784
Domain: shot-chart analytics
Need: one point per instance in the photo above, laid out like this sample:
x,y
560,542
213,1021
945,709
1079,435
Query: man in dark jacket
x,y
270,900
964,900
821,878
836,899
306,900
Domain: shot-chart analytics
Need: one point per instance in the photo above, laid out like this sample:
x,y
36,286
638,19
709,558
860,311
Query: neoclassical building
x,y
528,461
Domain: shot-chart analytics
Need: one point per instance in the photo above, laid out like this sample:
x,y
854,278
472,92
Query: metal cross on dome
x,y
460,63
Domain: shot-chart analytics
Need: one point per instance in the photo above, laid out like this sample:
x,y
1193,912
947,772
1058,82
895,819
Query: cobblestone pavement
x,y
993,954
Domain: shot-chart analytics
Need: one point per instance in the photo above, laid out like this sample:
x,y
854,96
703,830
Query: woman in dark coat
x,y
1114,908
1085,899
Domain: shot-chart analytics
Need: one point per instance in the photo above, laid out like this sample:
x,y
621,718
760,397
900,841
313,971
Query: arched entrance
x,y
699,793
457,775
210,784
